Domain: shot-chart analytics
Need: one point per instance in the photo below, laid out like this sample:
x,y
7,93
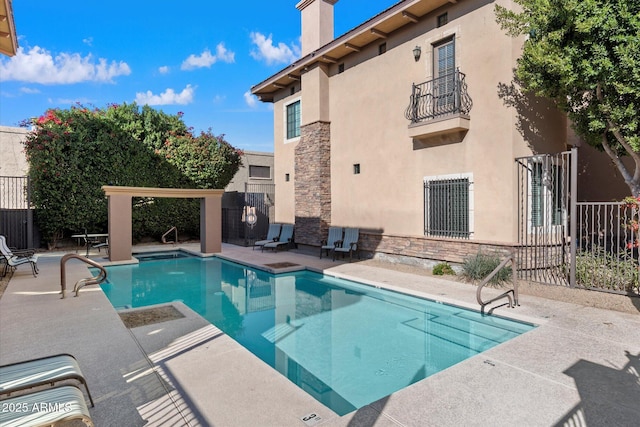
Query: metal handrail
x,y
442,96
174,229
101,277
513,302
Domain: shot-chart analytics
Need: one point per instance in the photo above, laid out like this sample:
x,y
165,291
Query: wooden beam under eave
x,y
293,77
3,18
410,16
379,33
4,35
279,86
352,47
329,59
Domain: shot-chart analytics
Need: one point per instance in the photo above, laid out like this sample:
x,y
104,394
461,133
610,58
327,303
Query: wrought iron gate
x,y
258,199
545,184
16,215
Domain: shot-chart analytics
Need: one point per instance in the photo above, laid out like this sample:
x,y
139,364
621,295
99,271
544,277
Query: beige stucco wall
x,y
251,158
366,109
12,159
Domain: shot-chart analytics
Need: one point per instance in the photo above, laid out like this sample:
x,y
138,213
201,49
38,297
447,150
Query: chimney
x,y
317,23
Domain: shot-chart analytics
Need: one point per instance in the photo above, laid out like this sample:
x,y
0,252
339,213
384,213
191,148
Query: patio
x,y
581,366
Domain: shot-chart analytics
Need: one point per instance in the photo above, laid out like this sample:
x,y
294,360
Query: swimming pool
x,y
345,343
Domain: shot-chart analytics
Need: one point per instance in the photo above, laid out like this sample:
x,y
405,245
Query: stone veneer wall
x,y
313,183
437,249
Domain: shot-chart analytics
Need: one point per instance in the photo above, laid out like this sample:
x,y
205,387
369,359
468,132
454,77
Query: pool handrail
x,y
96,280
513,301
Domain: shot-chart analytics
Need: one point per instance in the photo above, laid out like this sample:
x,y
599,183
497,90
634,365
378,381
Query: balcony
x,y
439,108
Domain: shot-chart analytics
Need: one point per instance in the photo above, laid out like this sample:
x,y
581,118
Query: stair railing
x,y
96,280
511,294
175,239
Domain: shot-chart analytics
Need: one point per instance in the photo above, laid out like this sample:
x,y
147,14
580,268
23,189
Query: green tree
x,y
72,153
585,55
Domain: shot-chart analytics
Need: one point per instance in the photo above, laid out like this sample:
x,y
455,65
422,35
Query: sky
x,y
198,57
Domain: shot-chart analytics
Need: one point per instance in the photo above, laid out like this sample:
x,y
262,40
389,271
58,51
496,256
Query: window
x,y
547,203
382,48
444,67
448,206
293,120
287,178
443,19
356,169
262,172
341,68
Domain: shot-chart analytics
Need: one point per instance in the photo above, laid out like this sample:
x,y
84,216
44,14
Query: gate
x,y
593,245
16,215
545,184
258,199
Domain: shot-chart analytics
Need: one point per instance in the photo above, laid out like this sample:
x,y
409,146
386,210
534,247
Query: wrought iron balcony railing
x,y
442,96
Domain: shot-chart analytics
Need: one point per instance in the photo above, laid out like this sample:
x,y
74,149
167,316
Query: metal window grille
x,y
447,208
293,120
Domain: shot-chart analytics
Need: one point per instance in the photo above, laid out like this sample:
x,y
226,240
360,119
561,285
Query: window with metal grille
x,y
447,207
293,120
259,172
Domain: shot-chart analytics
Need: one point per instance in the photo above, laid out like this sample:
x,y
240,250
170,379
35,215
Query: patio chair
x,y
49,370
272,235
285,239
46,408
349,244
335,235
17,257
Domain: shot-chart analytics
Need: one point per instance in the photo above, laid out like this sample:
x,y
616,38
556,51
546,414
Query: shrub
x,y
73,153
602,270
442,269
478,267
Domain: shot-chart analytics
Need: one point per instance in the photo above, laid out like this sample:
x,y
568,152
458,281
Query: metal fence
x,y
543,215
593,245
16,213
258,199
608,247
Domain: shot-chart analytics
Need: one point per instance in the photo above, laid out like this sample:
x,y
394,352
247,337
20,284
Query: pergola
x,y
120,217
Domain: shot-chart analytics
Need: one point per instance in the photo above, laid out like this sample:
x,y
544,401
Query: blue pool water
x,y
344,343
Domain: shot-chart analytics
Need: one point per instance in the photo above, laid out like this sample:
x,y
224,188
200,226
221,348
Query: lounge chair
x,y
272,235
349,244
15,258
285,239
49,370
335,235
46,408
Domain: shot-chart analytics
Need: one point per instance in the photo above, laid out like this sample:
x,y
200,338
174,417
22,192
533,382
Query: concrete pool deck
x,y
580,367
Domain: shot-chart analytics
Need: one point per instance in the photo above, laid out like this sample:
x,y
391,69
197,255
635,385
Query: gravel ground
x,y
605,300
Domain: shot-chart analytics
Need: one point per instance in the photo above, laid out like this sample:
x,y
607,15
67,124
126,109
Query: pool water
x,y
344,343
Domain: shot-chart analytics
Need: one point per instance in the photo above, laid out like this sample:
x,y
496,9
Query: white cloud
x,y
29,90
88,41
206,59
168,97
250,99
163,70
273,54
38,65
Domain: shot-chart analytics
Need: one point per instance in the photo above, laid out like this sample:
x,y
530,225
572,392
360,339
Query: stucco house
x,y
404,127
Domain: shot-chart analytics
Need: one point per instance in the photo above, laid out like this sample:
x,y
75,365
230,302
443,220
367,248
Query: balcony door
x,y
444,66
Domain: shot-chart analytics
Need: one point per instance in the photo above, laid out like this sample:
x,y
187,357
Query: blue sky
x,y
197,57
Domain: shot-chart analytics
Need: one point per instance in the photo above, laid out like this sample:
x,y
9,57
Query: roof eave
x,y
8,38
340,47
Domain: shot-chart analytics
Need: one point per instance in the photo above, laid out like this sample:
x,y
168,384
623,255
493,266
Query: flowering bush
x,y
72,153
